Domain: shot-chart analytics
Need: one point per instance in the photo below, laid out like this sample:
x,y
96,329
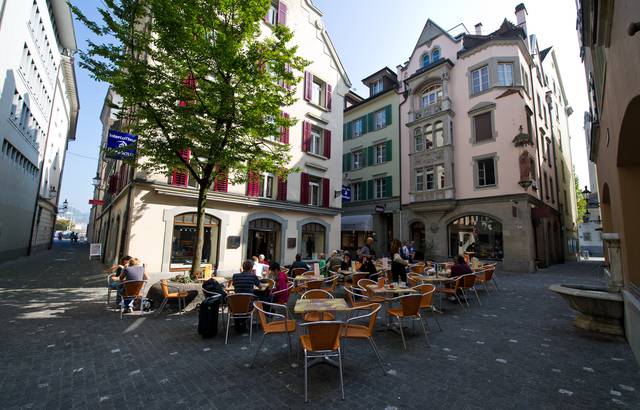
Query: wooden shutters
x,y
221,183
388,191
306,136
326,192
370,155
282,13
346,162
388,149
284,131
282,189
327,144
328,95
304,188
308,83
178,177
253,184
387,115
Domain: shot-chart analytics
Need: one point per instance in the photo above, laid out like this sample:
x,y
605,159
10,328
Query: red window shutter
x,y
178,177
282,189
327,144
282,13
284,131
189,82
306,136
326,191
308,79
253,184
329,92
221,183
113,184
304,188
122,176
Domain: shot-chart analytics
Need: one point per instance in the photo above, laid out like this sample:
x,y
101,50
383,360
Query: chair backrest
x,y
427,291
331,282
364,284
165,287
417,268
355,278
271,283
413,279
314,284
468,280
297,271
488,272
352,295
323,335
133,288
316,294
263,315
373,309
240,302
308,273
410,304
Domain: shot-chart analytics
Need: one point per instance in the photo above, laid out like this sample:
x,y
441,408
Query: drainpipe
x,y
399,159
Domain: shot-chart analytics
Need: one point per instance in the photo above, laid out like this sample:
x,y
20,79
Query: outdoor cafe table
x,y
262,288
389,292
320,305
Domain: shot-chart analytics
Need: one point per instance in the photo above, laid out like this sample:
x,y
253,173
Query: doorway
x,y
264,239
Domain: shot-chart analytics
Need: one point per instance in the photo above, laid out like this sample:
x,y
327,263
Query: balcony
x,y
431,109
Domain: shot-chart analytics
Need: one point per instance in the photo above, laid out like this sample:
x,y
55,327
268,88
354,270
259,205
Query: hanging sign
x,y
121,145
346,193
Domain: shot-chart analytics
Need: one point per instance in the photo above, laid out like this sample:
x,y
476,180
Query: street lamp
x,y
65,207
97,182
586,192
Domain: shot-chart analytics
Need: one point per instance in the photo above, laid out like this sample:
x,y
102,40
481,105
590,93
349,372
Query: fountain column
x,y
615,281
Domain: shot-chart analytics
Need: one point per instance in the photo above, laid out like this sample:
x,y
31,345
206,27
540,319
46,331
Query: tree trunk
x,y
202,206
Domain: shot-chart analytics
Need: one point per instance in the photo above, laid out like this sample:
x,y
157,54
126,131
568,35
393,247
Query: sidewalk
x,y
60,348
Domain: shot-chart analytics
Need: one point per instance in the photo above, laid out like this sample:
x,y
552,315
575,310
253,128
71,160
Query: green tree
x,y
63,224
581,202
198,76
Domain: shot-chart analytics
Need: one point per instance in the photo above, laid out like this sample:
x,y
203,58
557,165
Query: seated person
x,y
117,271
346,261
245,281
135,270
281,283
460,267
299,263
323,264
335,261
258,268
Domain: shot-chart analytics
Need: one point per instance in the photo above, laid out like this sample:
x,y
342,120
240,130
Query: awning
x,y
357,222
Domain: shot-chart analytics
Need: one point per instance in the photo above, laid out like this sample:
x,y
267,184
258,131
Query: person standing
x,y
398,264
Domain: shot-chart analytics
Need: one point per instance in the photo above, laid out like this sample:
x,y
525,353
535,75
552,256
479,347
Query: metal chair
x,y
331,283
453,291
487,275
469,283
131,290
409,309
366,285
282,325
110,287
179,295
297,271
275,295
317,316
239,307
352,330
427,291
355,297
321,341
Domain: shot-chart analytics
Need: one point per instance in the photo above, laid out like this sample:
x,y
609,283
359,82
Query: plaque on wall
x,y
291,243
233,242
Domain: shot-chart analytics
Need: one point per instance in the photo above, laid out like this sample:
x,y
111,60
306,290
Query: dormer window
x,y
435,55
376,87
426,59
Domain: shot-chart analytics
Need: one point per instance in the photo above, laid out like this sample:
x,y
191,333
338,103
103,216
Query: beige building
x,y
482,147
371,165
610,46
152,216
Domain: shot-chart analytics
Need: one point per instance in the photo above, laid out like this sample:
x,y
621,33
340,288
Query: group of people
x,y
73,237
129,268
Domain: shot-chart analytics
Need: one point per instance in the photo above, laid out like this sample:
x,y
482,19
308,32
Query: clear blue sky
x,y
368,34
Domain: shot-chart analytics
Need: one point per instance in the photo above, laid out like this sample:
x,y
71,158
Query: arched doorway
x,y
477,234
417,232
184,239
313,241
264,237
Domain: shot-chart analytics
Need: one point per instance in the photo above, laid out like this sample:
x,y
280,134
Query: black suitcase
x,y
208,317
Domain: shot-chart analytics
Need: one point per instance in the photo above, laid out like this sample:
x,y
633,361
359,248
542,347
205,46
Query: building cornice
x,y
64,24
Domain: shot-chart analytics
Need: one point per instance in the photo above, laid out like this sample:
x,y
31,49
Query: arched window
x,y
431,95
435,55
425,59
418,139
438,134
478,235
313,241
184,235
428,136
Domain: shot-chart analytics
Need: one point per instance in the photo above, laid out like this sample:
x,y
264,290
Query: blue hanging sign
x,y
346,193
121,145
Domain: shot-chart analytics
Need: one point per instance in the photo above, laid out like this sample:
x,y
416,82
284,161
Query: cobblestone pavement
x,y
61,348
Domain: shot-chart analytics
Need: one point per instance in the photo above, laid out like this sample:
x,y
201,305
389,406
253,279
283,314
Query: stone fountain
x,y
601,308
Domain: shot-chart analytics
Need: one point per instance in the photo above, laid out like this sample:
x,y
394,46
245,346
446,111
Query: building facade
x,y
590,228
371,165
38,116
153,217
609,36
479,170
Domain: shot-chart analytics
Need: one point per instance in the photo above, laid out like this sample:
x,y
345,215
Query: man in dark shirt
x,y
299,263
245,281
460,267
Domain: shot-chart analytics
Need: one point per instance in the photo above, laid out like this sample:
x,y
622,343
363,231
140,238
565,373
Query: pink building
x,y
479,123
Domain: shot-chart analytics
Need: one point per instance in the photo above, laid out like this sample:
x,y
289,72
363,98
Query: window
x,y
553,197
380,187
358,126
539,106
418,140
431,96
586,236
440,176
548,145
486,172
428,136
429,177
184,236
357,191
316,141
376,87
317,91
483,128
272,15
317,96
505,74
357,160
479,80
439,134
380,152
313,241
435,55
380,119
425,59
267,186
314,192
419,180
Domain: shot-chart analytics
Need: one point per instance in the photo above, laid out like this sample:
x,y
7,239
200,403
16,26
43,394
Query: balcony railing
x,y
432,109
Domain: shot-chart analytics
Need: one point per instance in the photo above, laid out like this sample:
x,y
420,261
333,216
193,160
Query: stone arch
x,y
264,215
313,220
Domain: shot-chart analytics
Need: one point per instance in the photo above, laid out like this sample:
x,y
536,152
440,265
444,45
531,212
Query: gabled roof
x,y
430,31
507,31
336,58
543,53
386,72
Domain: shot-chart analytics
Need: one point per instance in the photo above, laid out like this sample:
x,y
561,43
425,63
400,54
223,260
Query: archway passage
x,y
264,238
418,237
478,235
184,239
313,241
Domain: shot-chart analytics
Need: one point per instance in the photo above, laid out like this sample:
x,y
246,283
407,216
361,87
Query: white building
x,y
38,116
153,217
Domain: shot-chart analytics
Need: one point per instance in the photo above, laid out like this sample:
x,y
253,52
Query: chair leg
x,y
459,301
341,381
375,350
466,300
477,296
226,337
435,316
162,305
493,280
486,288
402,333
258,350
250,327
306,369
424,329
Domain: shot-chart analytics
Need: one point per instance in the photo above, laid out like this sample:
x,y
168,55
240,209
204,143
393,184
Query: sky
x,y
368,35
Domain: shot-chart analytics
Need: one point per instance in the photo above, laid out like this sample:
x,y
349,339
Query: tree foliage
x,y
581,202
199,76
63,224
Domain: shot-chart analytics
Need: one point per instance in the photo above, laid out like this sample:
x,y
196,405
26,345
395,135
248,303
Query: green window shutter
x,y
388,191
347,130
370,189
346,162
388,114
370,155
370,122
389,151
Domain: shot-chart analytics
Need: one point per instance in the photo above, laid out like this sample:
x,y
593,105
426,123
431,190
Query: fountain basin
x,y
600,310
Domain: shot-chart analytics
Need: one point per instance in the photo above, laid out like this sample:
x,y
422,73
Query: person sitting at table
x,y
281,283
299,263
398,264
135,270
458,269
346,261
367,255
322,262
244,282
334,261
117,270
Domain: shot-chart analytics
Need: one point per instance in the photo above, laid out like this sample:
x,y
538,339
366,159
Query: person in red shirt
x,y
281,283
460,267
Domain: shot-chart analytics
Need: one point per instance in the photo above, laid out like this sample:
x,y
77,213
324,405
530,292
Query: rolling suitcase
x,y
208,316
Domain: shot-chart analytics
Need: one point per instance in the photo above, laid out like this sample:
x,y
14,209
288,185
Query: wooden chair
x,y
427,291
321,341
317,316
413,279
280,323
371,296
452,291
131,290
417,268
331,283
239,307
355,277
175,294
287,291
355,296
297,272
409,309
353,330
469,283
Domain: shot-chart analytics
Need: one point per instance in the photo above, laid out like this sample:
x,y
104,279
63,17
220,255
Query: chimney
x,y
478,29
521,17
